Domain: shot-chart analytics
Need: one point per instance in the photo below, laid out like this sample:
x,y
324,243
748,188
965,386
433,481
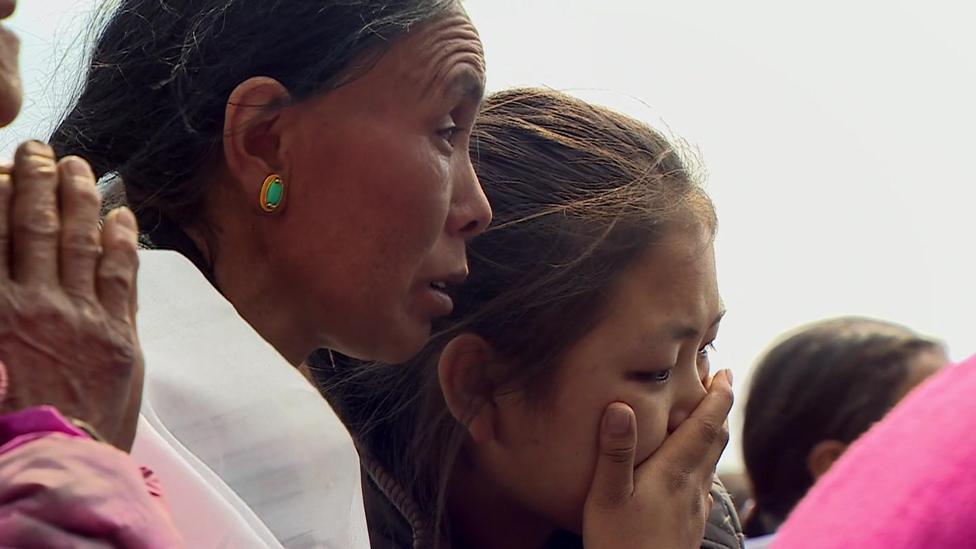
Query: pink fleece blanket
x,y
909,482
59,488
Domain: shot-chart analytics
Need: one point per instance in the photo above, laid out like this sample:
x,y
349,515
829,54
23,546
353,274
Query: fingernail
x,y
729,376
617,421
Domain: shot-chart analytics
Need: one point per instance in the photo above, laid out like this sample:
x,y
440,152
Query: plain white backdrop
x,y
839,138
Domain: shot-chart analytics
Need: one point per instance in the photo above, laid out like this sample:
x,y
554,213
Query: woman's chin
x,y
410,339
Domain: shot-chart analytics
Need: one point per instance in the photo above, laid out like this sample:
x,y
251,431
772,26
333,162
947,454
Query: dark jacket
x,y
395,522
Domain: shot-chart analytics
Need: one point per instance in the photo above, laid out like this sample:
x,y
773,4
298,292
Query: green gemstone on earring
x,y
275,192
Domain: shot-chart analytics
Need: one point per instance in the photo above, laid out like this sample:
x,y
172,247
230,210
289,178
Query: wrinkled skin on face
x,y
382,197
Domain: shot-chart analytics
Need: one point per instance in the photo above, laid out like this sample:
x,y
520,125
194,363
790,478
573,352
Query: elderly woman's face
x,y
10,89
383,195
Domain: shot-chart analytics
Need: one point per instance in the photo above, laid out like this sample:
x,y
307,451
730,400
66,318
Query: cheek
x,y
652,424
381,204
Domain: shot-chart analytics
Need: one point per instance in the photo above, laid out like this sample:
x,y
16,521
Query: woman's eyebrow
x,y
465,84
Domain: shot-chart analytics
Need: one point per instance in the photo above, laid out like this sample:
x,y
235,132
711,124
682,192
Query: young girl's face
x,y
649,350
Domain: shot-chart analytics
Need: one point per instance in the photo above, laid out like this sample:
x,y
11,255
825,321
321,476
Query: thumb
x,y
613,479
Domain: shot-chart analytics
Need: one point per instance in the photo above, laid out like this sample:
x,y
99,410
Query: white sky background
x,y
839,138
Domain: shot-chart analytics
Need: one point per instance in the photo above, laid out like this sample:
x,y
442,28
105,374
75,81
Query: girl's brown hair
x,y
579,193
830,380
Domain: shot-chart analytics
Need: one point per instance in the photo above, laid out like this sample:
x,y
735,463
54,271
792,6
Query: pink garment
x,y
909,482
57,482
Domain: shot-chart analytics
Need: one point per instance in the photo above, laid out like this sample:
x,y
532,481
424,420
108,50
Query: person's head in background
x,y
595,284
311,157
813,394
11,92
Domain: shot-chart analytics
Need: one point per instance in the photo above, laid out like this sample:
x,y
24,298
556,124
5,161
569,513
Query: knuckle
x,y
679,478
124,357
711,433
39,310
120,350
6,186
614,499
725,393
40,221
81,242
115,277
123,241
84,194
35,166
619,454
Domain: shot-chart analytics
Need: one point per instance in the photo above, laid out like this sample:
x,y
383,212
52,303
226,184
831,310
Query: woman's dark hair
x,y
151,109
579,193
830,380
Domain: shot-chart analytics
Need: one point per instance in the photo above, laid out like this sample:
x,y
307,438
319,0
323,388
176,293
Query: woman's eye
x,y
450,133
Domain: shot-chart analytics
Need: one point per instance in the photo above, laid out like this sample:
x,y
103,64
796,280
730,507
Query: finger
x,y
25,532
6,192
80,239
613,478
35,217
697,444
116,275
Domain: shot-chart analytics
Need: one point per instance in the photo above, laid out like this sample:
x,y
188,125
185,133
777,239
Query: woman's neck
x,y
238,277
265,316
482,516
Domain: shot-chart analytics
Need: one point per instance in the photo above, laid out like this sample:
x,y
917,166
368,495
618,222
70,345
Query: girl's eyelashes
x,y
704,351
656,377
660,377
704,365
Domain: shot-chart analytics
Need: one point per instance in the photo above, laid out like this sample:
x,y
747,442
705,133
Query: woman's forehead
x,y
428,59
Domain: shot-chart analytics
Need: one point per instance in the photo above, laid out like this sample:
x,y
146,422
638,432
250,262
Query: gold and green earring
x,y
272,193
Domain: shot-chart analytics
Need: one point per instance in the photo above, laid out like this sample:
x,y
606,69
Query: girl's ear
x,y
823,456
463,372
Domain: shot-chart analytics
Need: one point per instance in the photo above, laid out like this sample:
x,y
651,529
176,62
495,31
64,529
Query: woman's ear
x,y
252,132
823,456
463,372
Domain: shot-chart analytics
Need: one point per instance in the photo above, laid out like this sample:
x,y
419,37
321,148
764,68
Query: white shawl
x,y
248,453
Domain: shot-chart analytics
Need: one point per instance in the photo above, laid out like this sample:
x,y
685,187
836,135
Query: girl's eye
x,y
659,376
704,351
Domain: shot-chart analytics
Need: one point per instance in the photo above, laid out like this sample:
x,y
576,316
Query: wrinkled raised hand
x,y
68,295
665,501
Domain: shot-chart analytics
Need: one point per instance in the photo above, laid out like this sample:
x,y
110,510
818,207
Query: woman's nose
x,y
470,212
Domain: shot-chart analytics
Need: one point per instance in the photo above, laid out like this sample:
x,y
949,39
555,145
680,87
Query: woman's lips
x,y
437,302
